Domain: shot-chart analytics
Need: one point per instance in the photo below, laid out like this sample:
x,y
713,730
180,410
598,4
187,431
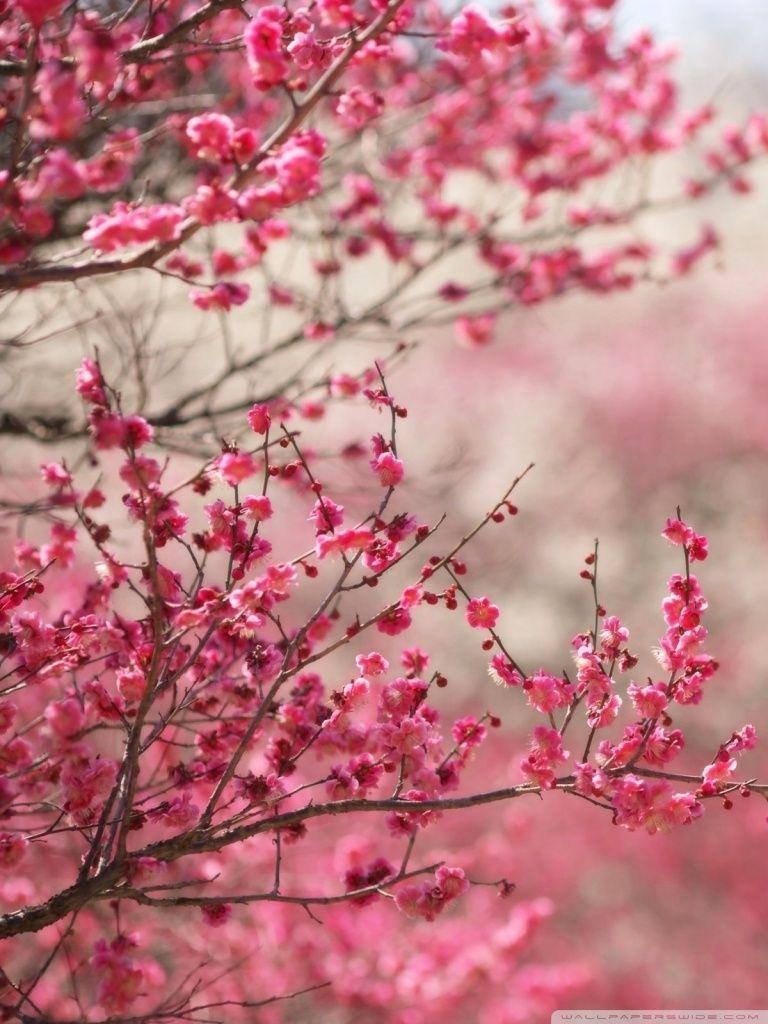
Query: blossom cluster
x,y
488,84
206,716
218,702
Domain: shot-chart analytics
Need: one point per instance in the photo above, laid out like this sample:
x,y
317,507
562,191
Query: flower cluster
x,y
217,704
244,153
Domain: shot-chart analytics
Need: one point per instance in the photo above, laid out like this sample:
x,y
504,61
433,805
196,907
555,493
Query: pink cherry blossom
x,y
481,613
235,467
259,418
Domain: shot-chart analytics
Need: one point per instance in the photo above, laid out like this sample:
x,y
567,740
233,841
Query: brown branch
x,y
182,1011
209,840
147,47
243,899
27,276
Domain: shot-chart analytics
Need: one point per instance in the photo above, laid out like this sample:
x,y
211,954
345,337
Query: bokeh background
x,y
631,406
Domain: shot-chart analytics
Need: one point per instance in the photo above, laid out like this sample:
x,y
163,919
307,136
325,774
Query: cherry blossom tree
x,y
361,175
230,778
175,709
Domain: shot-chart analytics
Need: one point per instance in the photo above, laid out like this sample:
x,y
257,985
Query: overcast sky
x,y
724,43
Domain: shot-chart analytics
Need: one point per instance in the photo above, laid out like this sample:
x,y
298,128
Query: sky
x,y
723,42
